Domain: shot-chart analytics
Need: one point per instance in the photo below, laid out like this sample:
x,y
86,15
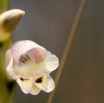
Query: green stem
x,y
7,87
4,5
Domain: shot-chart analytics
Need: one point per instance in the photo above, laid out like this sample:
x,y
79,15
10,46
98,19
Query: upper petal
x,y
37,54
22,47
44,82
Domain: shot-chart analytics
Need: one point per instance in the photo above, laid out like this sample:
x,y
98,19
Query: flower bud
x,y
8,22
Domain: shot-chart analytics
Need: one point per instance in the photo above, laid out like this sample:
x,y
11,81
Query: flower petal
x,y
37,54
44,61
35,90
22,47
29,69
9,63
25,84
44,82
51,62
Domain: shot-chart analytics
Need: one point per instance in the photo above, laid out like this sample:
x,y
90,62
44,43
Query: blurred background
x,y
49,22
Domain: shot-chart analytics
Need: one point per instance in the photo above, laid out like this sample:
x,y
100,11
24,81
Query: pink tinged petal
x,y
25,84
51,62
44,82
37,54
9,63
22,47
35,90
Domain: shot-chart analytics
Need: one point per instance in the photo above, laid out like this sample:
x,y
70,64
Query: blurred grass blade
x,y
67,46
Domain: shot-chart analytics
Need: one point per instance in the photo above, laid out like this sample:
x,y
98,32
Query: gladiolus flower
x,y
30,65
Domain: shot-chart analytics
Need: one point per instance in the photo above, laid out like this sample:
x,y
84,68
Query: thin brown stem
x,y
67,46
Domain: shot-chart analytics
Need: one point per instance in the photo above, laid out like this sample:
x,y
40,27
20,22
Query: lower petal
x,y
44,82
25,84
35,90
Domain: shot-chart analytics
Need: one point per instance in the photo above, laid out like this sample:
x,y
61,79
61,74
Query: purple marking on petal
x,y
24,58
37,54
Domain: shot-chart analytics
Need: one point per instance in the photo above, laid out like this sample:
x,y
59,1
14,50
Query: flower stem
x,y
4,5
7,87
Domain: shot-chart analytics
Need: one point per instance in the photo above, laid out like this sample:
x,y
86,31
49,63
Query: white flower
x,y
31,64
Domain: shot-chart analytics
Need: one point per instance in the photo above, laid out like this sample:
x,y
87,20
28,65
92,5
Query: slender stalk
x,y
7,87
67,46
4,5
